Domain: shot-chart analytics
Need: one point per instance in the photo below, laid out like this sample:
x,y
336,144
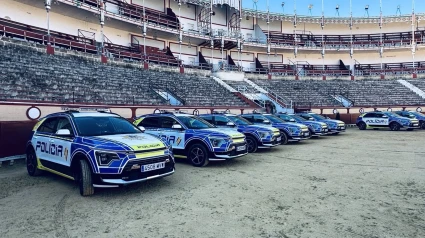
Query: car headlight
x,y
105,158
265,134
217,142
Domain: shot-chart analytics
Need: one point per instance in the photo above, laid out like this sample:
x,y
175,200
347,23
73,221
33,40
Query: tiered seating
x,y
388,68
343,41
241,86
418,83
312,93
26,74
361,93
307,70
202,91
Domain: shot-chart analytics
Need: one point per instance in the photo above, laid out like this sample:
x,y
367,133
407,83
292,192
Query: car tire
x,y
394,126
362,126
423,125
198,155
251,144
284,139
85,179
32,163
410,129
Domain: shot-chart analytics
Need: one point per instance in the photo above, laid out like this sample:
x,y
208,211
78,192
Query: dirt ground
x,y
358,184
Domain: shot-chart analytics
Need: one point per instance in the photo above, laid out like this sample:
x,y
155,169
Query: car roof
x,y
83,114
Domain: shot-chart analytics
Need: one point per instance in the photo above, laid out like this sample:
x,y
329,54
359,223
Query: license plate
x,y
306,133
278,139
326,130
239,148
415,124
150,167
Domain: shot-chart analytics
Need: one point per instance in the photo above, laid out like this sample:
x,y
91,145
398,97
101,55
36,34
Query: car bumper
x,y
230,154
302,136
320,133
132,173
268,144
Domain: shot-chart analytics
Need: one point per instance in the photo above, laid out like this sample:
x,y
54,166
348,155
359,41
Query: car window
x,y
307,117
194,122
150,122
48,126
102,126
221,121
285,117
249,118
208,119
369,115
379,115
64,123
259,119
168,122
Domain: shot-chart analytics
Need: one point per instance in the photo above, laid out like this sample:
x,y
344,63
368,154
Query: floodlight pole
x,y
351,39
102,22
413,35
268,37
381,46
211,35
144,30
322,24
180,35
295,30
47,5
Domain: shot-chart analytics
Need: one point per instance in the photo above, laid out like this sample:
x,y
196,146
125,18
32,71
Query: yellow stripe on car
x,y
136,122
149,154
238,140
41,167
148,146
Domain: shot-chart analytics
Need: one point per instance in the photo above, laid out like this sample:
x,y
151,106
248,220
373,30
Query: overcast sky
x,y
389,7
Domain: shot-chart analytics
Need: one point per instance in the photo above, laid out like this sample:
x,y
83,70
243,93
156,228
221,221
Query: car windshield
x,y
192,122
274,119
103,126
298,118
238,120
317,116
391,114
414,114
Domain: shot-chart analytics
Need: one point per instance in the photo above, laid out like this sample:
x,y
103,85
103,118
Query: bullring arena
x,y
199,57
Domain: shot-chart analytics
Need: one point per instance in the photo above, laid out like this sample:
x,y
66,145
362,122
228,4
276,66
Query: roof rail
x,y
158,111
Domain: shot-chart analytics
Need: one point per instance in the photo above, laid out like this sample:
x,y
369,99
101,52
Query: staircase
x,y
343,100
236,92
170,98
412,87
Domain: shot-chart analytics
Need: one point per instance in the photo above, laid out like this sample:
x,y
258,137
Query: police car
x,y
96,149
193,137
334,126
413,115
256,136
389,120
290,132
316,128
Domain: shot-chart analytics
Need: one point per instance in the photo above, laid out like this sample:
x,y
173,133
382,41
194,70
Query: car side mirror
x,y
142,128
63,132
292,120
177,126
230,123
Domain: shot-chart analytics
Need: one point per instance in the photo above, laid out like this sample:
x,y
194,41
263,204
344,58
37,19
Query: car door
x,y
260,119
152,125
62,143
369,118
42,136
174,136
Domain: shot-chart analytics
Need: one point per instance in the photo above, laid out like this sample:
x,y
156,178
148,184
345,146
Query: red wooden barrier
x,y
14,136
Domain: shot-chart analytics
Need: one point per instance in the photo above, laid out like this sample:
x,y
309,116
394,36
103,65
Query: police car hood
x,y
128,142
333,121
260,128
314,123
222,132
289,124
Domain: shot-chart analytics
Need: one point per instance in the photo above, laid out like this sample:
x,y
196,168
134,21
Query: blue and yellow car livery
x,y
413,115
194,138
316,128
256,136
387,120
290,132
97,150
334,126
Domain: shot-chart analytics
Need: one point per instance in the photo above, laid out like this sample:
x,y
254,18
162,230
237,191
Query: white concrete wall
x,y
150,42
274,25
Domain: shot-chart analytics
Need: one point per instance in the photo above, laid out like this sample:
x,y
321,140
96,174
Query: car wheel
x,y
284,139
198,155
362,126
32,164
423,125
85,180
410,129
395,126
251,144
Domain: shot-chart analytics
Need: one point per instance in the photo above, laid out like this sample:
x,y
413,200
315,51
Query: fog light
x,y
231,148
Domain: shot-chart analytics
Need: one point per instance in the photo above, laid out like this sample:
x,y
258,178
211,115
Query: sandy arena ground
x,y
358,184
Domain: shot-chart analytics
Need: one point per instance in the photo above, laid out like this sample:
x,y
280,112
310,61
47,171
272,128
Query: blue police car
x,y
316,128
290,132
334,126
194,138
96,149
413,114
391,120
256,136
